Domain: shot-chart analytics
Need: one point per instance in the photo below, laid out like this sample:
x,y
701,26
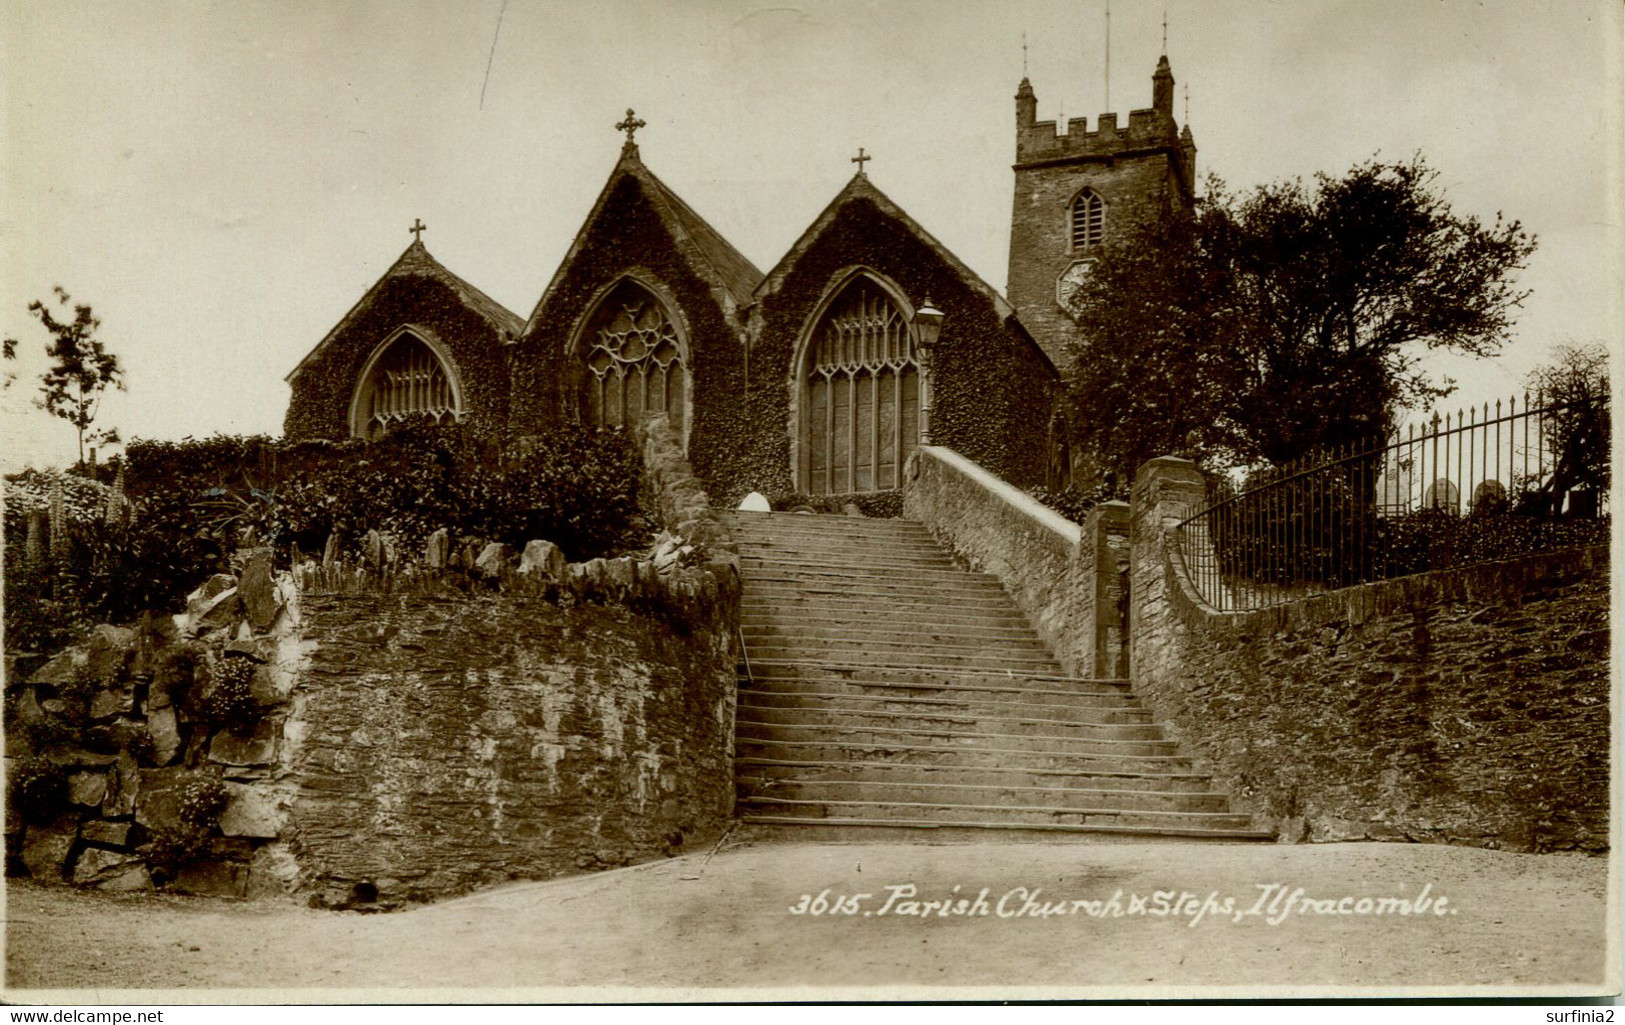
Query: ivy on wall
x,y
320,406
991,389
629,234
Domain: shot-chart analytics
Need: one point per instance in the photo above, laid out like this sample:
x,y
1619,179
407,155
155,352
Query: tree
x,y
81,369
1290,320
1574,391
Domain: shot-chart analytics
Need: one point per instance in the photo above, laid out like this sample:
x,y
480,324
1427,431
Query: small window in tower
x,y
1088,220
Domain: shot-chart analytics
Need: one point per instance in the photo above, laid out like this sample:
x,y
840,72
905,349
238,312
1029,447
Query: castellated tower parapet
x,y
1149,130
1077,189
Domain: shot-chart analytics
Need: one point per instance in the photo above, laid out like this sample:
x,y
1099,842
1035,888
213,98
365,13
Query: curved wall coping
x,y
1011,495
1359,601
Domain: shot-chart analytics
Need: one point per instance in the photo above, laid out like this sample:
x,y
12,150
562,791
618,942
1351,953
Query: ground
x,y
723,920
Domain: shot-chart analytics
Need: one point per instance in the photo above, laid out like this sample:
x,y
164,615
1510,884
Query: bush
x,y
43,611
202,800
577,488
1073,502
197,500
39,790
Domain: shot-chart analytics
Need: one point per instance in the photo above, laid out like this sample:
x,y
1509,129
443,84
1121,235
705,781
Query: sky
x,y
222,181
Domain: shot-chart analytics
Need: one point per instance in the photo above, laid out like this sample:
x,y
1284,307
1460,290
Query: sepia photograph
x,y
512,501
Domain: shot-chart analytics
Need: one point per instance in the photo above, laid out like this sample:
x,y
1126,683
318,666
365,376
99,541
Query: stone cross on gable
x,y
861,159
630,125
417,229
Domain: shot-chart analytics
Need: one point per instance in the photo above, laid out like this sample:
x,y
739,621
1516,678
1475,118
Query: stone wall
x,y
393,731
1466,706
447,742
1064,577
142,724
580,716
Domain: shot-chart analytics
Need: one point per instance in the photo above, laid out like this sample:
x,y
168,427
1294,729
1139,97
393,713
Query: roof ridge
x,y
689,220
416,259
718,258
860,186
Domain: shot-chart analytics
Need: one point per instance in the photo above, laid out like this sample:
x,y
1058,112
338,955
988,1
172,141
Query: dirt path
x,y
1510,920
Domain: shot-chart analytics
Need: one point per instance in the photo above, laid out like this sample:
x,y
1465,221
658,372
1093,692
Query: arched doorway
x,y
636,360
860,393
406,379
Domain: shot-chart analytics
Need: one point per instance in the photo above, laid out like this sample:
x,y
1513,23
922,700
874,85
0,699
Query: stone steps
x,y
902,657
982,794
866,629
947,737
997,724
926,681
1104,710
764,771
897,553
929,593
786,596
951,814
901,751
897,648
760,613
840,830
887,692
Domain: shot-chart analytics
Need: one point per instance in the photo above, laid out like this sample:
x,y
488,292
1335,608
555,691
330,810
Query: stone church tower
x,y
1076,190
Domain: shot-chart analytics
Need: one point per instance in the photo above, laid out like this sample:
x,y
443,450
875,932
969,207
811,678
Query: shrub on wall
x,y
1073,502
39,790
574,486
201,801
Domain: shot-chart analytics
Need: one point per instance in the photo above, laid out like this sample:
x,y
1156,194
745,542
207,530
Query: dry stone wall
x,y
1467,706
165,738
396,730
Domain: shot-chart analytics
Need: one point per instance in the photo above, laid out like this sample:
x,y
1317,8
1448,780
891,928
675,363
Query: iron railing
x,y
1478,485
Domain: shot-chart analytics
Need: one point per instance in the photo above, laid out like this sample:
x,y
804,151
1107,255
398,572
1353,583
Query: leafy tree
x,y
81,368
1574,388
1287,320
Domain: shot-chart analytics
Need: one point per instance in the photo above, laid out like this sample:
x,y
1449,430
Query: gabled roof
x,y
861,188
713,257
416,261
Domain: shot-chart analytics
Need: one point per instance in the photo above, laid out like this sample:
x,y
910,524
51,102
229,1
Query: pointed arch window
x,y
636,360
862,394
1087,219
406,381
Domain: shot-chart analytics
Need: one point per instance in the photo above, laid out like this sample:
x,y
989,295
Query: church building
x,y
867,339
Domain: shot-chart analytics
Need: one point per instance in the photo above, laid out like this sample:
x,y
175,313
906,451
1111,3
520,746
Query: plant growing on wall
x,y
199,802
38,790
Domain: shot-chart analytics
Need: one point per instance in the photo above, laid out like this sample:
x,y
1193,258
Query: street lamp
x,y
927,328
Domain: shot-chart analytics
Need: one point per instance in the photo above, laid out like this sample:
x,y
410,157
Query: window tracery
x,y
862,395
635,360
406,382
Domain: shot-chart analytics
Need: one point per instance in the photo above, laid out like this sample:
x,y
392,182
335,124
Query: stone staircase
x,y
887,690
